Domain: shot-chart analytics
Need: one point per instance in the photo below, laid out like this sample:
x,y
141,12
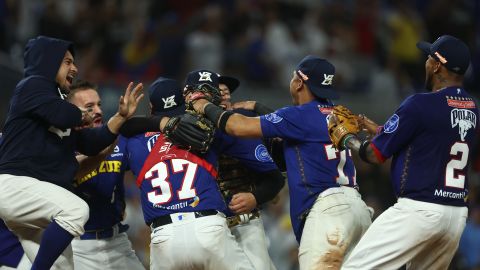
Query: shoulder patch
x,y
273,117
261,154
392,124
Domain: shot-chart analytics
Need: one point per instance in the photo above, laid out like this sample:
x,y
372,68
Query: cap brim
x,y
230,82
173,112
327,93
424,46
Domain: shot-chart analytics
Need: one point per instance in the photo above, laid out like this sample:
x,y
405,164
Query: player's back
x,y
432,145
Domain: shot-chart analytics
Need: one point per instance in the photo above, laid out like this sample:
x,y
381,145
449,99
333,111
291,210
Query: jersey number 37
x,y
159,176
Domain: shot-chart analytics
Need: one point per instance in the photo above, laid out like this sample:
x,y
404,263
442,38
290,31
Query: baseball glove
x,y
202,91
190,131
341,123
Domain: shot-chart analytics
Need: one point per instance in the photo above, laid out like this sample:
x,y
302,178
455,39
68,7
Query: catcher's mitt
x,y
202,91
190,131
341,123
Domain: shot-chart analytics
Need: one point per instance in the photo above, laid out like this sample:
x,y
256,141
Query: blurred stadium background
x,y
371,43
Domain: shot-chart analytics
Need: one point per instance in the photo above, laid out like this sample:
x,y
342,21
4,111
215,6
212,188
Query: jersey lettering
x,y
159,177
332,154
453,178
60,133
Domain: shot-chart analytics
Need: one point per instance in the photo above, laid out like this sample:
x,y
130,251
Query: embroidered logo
x,y
273,117
392,124
464,119
169,102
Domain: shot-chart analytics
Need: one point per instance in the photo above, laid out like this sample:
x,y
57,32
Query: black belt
x,y
166,219
105,233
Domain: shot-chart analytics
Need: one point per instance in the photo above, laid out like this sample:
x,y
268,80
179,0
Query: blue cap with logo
x,y
202,76
166,97
317,74
450,51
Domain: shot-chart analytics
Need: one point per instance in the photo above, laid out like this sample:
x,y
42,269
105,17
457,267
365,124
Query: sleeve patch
x,y
273,117
261,154
392,124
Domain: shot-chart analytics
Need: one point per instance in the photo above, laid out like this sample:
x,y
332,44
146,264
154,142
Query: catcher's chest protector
x,y
233,177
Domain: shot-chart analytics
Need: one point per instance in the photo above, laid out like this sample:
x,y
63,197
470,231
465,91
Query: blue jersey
x,y
313,164
173,180
104,191
38,138
11,250
430,137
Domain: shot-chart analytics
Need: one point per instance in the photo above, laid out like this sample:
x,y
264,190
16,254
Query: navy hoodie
x,y
38,138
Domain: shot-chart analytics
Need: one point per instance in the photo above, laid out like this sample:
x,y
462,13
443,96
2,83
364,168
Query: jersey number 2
x,y
459,150
160,180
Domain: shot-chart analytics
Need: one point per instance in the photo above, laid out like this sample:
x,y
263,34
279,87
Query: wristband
x,y
261,109
362,152
213,112
223,120
345,140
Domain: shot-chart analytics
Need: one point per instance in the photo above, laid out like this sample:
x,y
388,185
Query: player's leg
x,y
252,239
395,237
440,251
28,202
327,233
162,247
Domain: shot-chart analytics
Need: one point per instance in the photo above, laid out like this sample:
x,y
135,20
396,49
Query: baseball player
x,y
244,191
180,196
325,207
37,160
430,137
105,244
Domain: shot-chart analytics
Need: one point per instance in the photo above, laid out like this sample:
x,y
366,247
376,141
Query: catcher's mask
x,y
207,89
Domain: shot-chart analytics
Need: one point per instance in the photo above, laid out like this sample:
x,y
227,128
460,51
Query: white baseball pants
x,y
335,224
252,239
28,205
196,243
420,234
105,254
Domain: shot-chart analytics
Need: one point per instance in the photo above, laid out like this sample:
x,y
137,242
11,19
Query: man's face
x,y
89,100
226,97
430,66
66,73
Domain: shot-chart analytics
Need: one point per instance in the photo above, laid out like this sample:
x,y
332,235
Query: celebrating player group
x,y
204,166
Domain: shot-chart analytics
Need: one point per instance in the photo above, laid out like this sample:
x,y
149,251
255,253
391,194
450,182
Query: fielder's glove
x,y
202,91
341,123
190,131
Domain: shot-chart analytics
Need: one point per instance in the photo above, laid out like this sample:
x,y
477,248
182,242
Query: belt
x,y
105,233
167,219
242,219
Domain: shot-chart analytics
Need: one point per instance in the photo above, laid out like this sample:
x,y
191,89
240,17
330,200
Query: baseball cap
x,y
231,82
450,51
166,97
318,74
202,76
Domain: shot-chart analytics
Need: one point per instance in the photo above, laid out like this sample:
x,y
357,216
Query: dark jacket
x,y
38,138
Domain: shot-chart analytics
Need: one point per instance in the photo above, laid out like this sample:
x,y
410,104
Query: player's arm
x,y
232,123
126,107
88,164
365,149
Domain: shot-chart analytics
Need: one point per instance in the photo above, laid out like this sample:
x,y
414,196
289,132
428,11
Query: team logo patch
x,y
464,119
273,117
392,124
461,102
261,154
169,102
205,76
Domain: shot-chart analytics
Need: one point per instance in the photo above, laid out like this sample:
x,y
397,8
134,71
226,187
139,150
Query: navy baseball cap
x,y
318,74
166,97
450,51
231,82
202,76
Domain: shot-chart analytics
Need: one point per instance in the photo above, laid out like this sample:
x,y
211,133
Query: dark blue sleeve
x,y
93,140
38,99
399,129
284,123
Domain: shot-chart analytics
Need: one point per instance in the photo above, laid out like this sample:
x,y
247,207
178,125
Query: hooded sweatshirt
x,y
38,137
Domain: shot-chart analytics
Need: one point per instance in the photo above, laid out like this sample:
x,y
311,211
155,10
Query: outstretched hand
x,y
128,103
